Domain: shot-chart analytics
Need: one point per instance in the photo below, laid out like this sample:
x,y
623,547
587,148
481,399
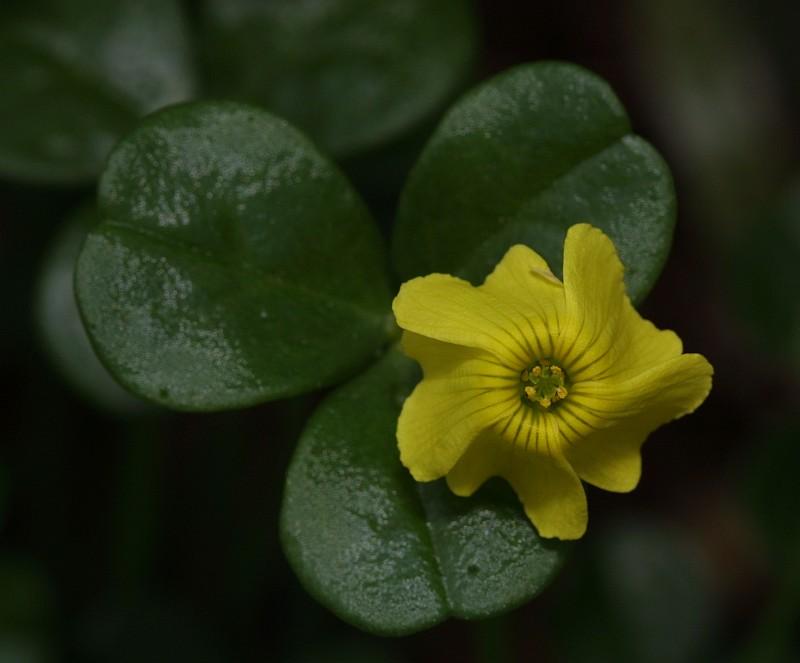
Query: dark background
x,y
154,537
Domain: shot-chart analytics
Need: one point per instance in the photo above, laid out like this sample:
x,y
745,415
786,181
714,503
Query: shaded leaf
x,y
384,552
520,159
353,74
81,72
233,263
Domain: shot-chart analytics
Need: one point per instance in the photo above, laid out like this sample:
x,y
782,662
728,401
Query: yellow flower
x,y
541,382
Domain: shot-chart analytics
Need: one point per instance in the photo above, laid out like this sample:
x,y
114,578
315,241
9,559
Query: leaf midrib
x,y
535,195
240,263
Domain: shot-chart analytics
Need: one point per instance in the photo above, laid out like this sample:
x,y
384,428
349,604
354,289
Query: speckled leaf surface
x,y
59,322
351,73
233,263
82,72
388,554
520,159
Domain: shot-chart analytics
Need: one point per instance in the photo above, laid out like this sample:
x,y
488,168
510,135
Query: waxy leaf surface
x,y
60,325
233,263
388,554
520,159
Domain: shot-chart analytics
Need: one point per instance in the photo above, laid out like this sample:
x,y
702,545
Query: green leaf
x,y
233,263
522,158
352,73
77,74
388,554
60,324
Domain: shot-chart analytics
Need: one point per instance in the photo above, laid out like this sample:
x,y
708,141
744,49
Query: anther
x,y
544,383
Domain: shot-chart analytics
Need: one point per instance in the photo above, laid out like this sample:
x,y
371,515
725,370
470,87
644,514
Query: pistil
x,y
543,383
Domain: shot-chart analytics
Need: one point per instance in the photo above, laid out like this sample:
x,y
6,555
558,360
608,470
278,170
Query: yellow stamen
x,y
543,383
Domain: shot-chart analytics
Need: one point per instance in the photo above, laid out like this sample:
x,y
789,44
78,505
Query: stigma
x,y
543,383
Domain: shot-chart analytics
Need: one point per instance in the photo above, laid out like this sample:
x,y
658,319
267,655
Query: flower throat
x,y
543,383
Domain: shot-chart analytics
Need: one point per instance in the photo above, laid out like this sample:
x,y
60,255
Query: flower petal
x,y
524,280
446,360
609,457
547,486
449,309
443,416
638,346
486,457
552,495
594,296
670,389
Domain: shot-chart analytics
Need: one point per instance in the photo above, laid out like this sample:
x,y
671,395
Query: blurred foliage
x,y
353,74
765,277
112,547
642,593
82,72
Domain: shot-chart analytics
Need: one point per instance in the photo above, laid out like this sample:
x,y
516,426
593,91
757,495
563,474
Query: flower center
x,y
543,383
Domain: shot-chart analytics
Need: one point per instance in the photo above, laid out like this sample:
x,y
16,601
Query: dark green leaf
x,y
384,552
77,73
233,263
60,323
519,160
351,73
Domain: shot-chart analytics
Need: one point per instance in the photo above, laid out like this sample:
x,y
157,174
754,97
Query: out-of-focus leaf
x,y
770,489
520,159
76,74
388,554
353,74
765,273
642,592
233,263
697,66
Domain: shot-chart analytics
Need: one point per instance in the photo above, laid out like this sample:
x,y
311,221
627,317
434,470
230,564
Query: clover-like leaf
x,y
233,263
388,554
77,74
353,74
519,160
